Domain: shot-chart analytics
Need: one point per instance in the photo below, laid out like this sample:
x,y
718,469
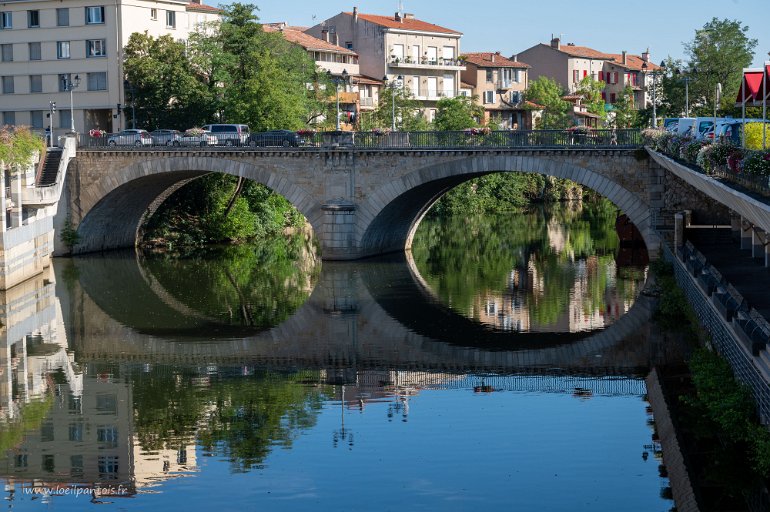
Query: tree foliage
x,y
625,110
591,90
719,52
547,92
457,113
408,113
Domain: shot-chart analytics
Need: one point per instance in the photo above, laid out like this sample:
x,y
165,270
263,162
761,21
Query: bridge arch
x,y
112,210
407,199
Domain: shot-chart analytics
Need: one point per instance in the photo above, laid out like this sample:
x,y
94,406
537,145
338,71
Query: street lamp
x,y
338,79
393,85
654,74
68,84
685,77
128,85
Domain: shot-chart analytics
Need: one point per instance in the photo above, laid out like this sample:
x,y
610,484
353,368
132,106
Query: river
x,y
499,365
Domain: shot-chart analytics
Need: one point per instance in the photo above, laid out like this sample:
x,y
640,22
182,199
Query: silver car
x,y
163,137
196,138
130,137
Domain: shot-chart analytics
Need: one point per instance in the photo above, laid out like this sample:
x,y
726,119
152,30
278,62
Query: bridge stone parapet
x,y
360,202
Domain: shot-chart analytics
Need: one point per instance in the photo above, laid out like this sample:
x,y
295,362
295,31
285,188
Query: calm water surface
x,y
255,378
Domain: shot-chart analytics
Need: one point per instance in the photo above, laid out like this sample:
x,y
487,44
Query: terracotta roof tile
x,y
405,23
192,6
484,60
306,41
583,52
632,62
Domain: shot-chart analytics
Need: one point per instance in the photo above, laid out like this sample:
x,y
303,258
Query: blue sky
x,y
510,27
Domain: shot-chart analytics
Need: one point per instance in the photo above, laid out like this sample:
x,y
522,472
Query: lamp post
x,y
128,85
51,112
393,84
338,79
685,76
68,84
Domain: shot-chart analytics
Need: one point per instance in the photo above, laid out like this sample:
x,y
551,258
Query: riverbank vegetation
x,y
726,447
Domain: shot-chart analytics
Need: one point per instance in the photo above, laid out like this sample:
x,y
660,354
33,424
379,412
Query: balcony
x,y
366,102
409,62
506,83
349,97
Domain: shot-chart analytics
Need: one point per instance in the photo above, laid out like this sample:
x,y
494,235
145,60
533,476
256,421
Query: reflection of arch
x,y
113,208
409,197
362,315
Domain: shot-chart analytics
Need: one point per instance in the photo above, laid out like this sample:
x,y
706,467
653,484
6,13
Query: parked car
x,y
165,137
229,134
283,138
130,137
198,138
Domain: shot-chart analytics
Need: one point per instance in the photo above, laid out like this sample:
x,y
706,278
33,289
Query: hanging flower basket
x,y
306,132
381,131
95,132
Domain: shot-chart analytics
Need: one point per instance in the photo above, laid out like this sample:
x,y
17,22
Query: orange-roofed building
x,y
568,64
498,83
417,55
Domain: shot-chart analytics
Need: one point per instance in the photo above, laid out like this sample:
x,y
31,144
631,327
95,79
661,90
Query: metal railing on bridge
x,y
378,140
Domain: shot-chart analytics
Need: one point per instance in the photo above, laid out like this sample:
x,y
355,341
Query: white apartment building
x,y
46,47
417,55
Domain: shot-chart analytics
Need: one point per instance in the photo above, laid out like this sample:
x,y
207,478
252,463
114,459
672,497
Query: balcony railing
x,y
367,102
409,62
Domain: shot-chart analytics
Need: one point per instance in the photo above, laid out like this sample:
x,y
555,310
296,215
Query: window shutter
x,y
585,73
601,76
616,77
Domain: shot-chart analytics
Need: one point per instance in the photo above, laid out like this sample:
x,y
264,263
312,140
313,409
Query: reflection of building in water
x,y
151,468
594,299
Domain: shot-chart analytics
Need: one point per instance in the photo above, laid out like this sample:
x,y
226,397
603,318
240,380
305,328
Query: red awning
x,y
751,87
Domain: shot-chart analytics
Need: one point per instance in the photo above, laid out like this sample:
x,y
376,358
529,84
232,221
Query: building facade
x,y
568,64
71,53
498,84
414,54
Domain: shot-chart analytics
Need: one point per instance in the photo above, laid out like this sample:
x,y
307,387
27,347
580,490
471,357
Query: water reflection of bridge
x,y
370,315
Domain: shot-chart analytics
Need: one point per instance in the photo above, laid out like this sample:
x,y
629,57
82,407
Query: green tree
x,y
591,90
457,113
625,110
409,115
719,52
168,90
547,92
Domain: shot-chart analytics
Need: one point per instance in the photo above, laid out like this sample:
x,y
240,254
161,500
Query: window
x,y
432,86
95,15
63,81
96,48
34,51
76,465
517,75
49,463
107,436
153,14
170,19
76,432
448,53
33,19
107,403
36,118
108,466
35,83
612,97
432,54
97,81
9,118
490,76
449,86
601,76
489,97
575,75
416,86
64,118
62,17
6,20
397,52
416,53
349,45
604,96
8,85
62,49
21,460
46,432
7,52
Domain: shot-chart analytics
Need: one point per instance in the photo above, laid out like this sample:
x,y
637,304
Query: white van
x,y
685,124
229,134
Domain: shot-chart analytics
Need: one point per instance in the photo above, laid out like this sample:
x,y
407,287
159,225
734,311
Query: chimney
x,y
493,57
324,32
646,55
625,58
408,16
555,43
397,17
355,14
515,58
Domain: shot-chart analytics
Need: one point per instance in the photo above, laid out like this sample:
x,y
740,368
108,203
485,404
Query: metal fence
x,y
722,337
383,140
758,184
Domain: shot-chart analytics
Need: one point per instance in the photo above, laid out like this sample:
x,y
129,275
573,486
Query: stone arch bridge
x,y
360,202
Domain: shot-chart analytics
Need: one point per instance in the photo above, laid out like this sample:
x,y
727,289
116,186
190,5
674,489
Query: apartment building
x,y
70,52
357,93
568,64
414,54
498,84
